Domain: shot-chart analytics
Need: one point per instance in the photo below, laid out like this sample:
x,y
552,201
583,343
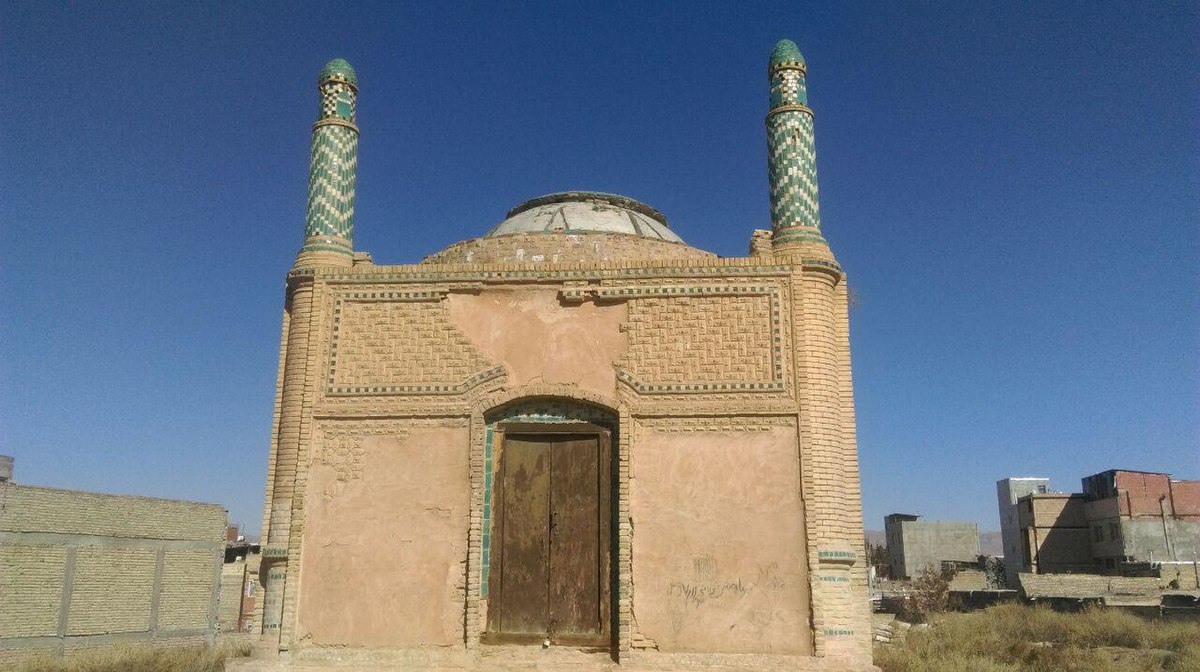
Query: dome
x,y
786,52
573,227
585,212
338,69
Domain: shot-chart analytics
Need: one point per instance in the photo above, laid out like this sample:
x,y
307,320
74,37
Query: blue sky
x,y
1014,189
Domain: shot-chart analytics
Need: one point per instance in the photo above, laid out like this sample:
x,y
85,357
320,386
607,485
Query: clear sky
x,y
1013,188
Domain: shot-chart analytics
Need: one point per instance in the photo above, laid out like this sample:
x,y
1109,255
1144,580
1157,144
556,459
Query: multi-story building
x,y
1140,516
1008,491
1121,518
914,544
1054,534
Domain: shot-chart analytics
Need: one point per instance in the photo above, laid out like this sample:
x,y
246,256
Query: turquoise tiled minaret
x,y
329,225
792,159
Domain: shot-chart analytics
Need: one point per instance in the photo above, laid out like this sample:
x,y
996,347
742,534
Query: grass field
x,y
142,659
1017,638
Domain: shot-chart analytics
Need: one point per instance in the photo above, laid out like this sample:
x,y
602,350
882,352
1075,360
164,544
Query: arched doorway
x,y
548,528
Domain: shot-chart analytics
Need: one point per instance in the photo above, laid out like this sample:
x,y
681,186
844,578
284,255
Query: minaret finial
x,y
329,224
792,160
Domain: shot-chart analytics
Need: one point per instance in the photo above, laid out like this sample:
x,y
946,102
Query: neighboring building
x,y
914,544
81,569
1054,534
1140,516
1121,519
464,447
1008,491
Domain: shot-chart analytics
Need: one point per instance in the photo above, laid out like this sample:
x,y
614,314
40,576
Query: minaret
x,y
825,394
328,236
329,225
792,160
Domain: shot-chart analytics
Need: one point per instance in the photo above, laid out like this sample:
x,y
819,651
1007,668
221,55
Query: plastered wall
x,y
718,544
81,569
386,562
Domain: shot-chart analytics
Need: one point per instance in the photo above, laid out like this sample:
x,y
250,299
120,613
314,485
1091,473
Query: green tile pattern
x,y
785,52
333,168
548,273
339,69
542,410
792,157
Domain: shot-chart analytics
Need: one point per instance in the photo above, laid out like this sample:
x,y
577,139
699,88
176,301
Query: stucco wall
x,y
81,569
537,337
385,561
719,562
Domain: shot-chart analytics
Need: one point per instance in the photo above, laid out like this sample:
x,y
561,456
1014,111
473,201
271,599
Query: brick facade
x,y
80,569
724,385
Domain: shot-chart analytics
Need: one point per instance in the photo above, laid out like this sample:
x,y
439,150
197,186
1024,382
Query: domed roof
x,y
585,212
338,69
786,51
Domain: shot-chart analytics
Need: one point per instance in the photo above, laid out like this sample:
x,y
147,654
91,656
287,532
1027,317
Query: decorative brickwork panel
x,y
112,591
407,346
187,585
704,339
31,585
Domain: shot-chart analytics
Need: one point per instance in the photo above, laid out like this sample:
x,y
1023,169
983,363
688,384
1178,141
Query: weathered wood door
x,y
550,567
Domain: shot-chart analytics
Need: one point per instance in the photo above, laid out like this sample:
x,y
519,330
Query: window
x,y
1097,533
1041,489
1114,531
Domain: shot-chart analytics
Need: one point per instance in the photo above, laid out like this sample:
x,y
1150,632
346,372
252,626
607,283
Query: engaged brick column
x,y
286,454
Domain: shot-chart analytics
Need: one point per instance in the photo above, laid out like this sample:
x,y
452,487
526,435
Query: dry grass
x,y
142,659
1017,638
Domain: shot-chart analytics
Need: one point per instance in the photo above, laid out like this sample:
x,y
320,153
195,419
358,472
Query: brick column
x,y
286,453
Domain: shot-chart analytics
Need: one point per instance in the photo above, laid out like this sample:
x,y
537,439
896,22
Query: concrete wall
x,y
1161,539
83,569
925,543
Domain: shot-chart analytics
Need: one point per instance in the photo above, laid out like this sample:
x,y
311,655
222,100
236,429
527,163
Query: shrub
x,y
930,595
142,658
1037,639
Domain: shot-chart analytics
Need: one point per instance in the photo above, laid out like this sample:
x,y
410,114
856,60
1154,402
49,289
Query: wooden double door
x,y
550,556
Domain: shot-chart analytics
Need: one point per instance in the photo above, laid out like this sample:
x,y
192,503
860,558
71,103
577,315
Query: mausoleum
x,y
575,431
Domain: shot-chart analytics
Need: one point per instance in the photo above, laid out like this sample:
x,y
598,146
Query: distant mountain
x,y
989,542
876,537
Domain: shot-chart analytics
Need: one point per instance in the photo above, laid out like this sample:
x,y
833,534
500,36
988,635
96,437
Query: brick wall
x,y
233,577
1087,585
84,569
1186,498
